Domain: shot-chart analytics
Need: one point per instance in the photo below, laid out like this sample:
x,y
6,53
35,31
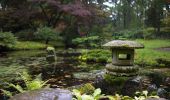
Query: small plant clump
x,y
87,88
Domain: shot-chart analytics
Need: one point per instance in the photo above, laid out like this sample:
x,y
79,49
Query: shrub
x,y
148,33
92,41
163,62
7,40
47,34
128,34
98,55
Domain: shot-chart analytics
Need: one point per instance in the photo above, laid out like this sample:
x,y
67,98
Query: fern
x,y
17,87
31,84
8,93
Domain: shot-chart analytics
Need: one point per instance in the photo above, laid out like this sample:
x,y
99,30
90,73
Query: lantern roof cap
x,y
124,44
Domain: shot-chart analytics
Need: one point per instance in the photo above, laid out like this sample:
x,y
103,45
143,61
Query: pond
x,y
67,71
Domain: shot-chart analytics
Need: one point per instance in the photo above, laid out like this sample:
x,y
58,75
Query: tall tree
x,y
155,14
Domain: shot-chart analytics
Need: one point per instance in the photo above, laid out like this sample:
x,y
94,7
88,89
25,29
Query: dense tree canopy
x,y
72,18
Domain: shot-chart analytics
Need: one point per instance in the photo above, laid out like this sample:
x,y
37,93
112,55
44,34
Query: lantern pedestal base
x,y
116,70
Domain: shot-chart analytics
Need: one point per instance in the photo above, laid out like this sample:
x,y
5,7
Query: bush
x,y
148,33
128,34
7,40
92,41
98,55
47,34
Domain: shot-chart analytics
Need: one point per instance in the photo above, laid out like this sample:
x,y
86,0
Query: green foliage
x,y
144,95
7,39
47,34
87,88
94,96
165,29
92,41
31,84
107,31
97,55
148,33
98,96
8,93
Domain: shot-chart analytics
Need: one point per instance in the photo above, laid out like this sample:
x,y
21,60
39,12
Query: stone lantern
x,y
122,57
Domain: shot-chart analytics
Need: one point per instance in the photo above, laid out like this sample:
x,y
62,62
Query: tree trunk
x,y
124,20
46,42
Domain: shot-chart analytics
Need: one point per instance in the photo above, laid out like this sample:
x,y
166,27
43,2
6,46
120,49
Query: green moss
x,y
115,80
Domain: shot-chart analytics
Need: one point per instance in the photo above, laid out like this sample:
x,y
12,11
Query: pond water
x,y
66,72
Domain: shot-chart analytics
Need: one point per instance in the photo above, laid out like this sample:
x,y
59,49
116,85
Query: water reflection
x,y
60,74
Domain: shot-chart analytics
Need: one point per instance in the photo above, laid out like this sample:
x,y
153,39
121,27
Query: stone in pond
x,y
162,93
44,94
51,55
